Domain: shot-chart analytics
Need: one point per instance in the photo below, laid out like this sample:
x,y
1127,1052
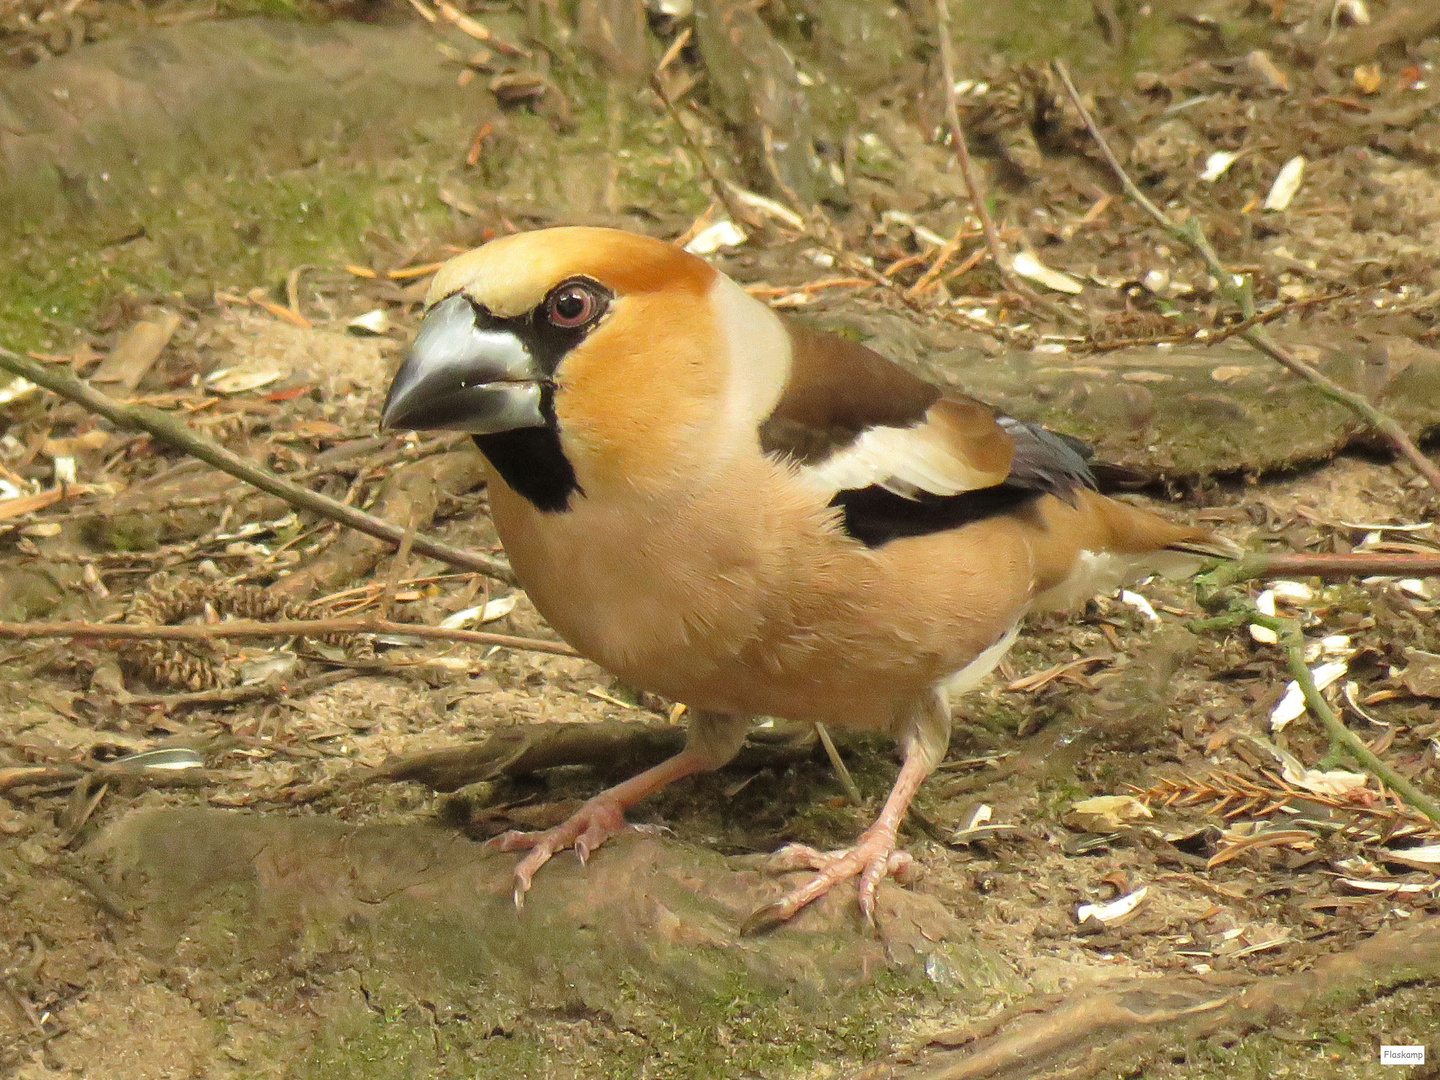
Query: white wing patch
x,y
905,461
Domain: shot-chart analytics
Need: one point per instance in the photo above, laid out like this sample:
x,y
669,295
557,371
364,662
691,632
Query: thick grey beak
x,y
461,377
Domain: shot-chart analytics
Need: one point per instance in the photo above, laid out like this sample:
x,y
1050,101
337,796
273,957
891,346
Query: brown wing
x,y
897,456
837,389
851,418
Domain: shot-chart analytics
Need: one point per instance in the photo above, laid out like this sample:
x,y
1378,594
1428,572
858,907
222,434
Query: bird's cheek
x,y
624,446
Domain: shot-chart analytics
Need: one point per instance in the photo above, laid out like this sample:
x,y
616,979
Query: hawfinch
x,y
749,516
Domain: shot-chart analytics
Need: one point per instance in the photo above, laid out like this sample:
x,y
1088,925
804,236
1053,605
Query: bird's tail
x,y
1207,545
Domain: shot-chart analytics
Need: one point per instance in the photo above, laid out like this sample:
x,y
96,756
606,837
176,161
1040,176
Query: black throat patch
x,y
532,461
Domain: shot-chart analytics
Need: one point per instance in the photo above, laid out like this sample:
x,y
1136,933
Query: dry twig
x,y
1337,567
165,427
1292,639
1233,795
248,628
973,186
657,83
237,695
1237,288
852,792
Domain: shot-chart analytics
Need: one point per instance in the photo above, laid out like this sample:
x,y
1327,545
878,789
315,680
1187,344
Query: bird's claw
x,y
872,859
584,831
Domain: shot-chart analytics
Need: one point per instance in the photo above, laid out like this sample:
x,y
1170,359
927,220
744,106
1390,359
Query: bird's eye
x,y
573,305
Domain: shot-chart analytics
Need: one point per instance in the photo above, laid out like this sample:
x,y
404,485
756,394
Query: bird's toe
x,y
872,860
584,831
799,857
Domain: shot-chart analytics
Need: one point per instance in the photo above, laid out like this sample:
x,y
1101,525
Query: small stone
x,y
12,821
34,853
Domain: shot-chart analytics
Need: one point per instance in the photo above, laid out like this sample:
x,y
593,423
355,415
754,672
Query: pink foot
x,y
585,830
872,859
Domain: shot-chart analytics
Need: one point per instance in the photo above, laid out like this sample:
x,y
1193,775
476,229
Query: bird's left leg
x,y
712,740
924,740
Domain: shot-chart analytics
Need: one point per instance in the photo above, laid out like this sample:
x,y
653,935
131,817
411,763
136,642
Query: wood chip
x,y
1286,185
136,351
1116,911
28,504
1028,266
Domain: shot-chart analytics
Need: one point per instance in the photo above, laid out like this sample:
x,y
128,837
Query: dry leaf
x,y
136,351
374,323
1422,674
1116,911
91,440
1367,78
1028,266
1292,705
1228,373
1332,782
1286,185
241,381
15,389
1217,164
1106,813
724,233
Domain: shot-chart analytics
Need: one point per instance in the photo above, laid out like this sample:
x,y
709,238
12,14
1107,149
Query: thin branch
x,y
998,255
248,628
238,695
1292,638
852,792
942,259
397,569
1329,567
1237,289
1214,336
657,83
168,429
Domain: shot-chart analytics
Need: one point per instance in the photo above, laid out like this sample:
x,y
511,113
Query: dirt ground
x,y
349,925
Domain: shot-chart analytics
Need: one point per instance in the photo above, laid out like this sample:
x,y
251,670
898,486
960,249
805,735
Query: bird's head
x,y
623,355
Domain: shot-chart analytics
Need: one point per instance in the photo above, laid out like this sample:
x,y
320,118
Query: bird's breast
x,y
659,592
751,600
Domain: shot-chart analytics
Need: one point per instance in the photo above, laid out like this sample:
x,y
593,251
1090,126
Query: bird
x,y
751,516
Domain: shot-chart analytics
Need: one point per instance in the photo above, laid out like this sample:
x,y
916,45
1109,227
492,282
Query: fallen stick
x,y
238,695
612,745
165,427
1292,639
1237,289
249,628
1329,567
973,187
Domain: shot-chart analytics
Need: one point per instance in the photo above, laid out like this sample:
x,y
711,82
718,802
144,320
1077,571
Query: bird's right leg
x,y
924,738
712,740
